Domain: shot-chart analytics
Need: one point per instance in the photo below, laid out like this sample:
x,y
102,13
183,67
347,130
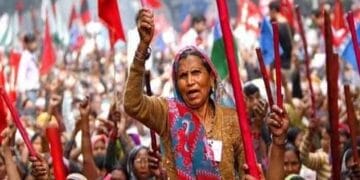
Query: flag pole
x,y
56,151
149,93
265,76
17,122
279,97
350,20
238,94
351,120
332,75
307,61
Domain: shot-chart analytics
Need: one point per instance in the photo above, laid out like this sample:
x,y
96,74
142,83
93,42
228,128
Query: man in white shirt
x,y
196,35
28,81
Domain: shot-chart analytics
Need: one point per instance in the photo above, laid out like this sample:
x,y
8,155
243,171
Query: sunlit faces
x,y
99,148
141,168
292,163
194,81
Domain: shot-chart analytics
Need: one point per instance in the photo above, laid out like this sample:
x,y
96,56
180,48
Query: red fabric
x,y
3,115
338,20
73,16
14,63
155,4
340,29
250,15
85,12
53,135
109,13
279,97
48,57
2,76
249,152
287,7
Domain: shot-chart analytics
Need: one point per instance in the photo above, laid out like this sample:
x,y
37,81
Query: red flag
x,y
73,16
19,6
286,9
14,62
340,30
48,57
338,20
3,115
250,15
109,13
85,12
2,76
151,3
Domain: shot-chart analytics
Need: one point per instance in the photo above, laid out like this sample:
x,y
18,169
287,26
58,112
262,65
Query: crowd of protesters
x,y
85,93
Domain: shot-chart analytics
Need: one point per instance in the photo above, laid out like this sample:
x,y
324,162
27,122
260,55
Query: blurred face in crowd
x,y
299,139
252,100
32,46
63,141
118,174
194,81
200,26
325,140
37,144
141,168
99,148
292,163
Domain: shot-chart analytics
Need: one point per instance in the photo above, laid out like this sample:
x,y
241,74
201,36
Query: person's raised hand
x,y
114,114
85,108
155,165
54,102
39,168
260,109
278,122
145,25
247,176
7,135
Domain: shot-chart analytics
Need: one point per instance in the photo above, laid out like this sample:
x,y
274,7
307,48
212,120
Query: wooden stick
x,y
279,97
17,122
307,61
53,135
332,75
351,118
142,2
265,76
249,152
149,93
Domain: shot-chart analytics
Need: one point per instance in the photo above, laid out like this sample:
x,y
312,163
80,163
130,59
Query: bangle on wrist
x,y
143,56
